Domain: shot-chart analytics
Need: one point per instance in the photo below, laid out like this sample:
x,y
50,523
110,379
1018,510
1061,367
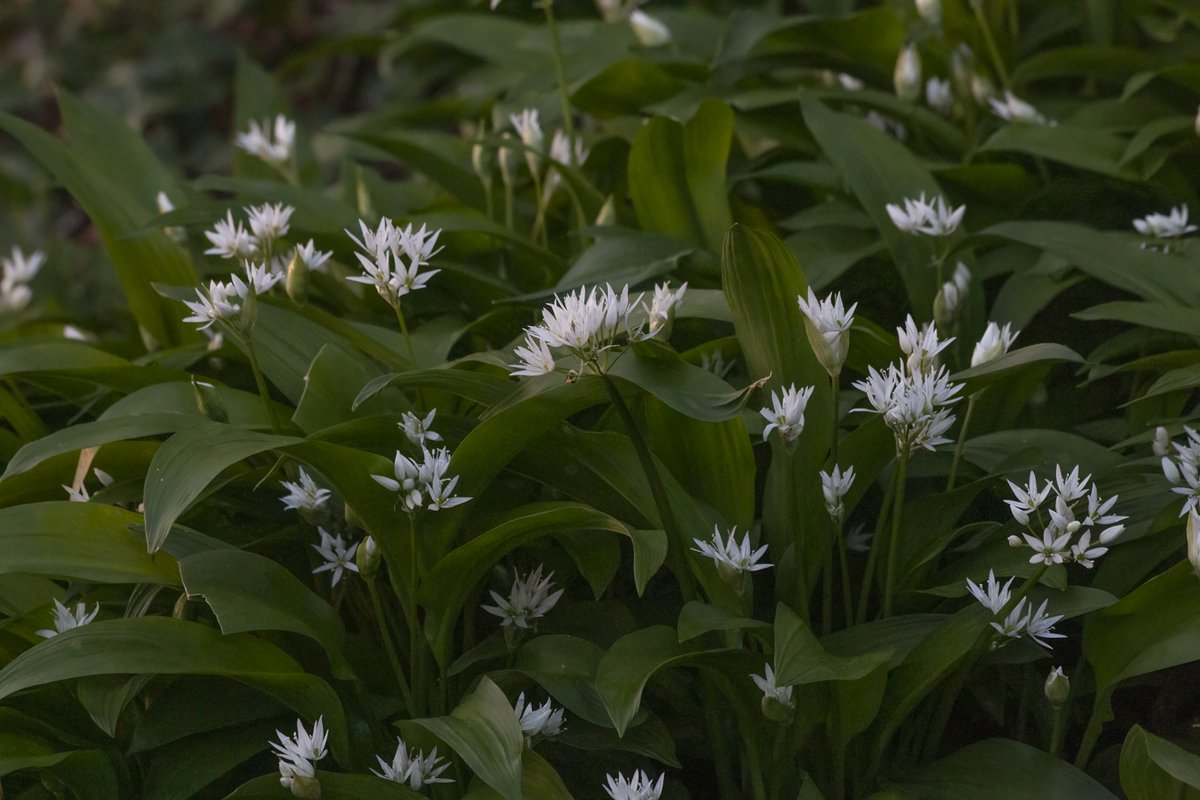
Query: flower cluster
x,y
413,767
223,301
419,430
423,484
394,258
268,225
304,494
1184,469
79,494
930,217
272,144
590,324
766,684
995,342
786,414
637,787
1014,109
1165,226
336,555
1075,515
913,395
298,753
732,559
529,599
948,302
834,487
1023,619
544,720
65,619
16,272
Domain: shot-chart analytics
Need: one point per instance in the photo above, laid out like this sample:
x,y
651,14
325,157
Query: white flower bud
x,y
907,77
1170,470
367,558
649,31
1162,442
1057,688
930,11
1014,540
982,88
946,305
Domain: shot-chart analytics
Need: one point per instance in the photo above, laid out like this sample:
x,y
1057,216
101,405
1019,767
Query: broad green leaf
x,y
1161,316
334,786
626,87
1154,627
88,774
624,670
479,387
101,186
81,541
697,618
998,769
484,732
81,362
331,387
688,389
677,175
538,779
93,434
565,666
187,462
800,659
180,770
446,160
1075,146
185,708
880,170
990,451
1173,381
248,592
988,372
286,344
166,645
1153,768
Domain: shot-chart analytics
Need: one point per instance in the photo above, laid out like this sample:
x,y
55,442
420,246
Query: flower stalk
x,y
889,583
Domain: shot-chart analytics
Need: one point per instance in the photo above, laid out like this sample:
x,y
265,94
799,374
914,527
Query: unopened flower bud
x,y
507,157
930,11
1015,541
481,159
608,212
982,88
777,711
1162,442
248,314
649,31
907,77
1057,688
962,69
296,283
946,305
209,402
1170,470
367,558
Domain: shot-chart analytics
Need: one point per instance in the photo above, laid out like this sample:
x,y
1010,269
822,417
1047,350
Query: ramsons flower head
x,y
66,619
529,599
786,413
271,143
827,324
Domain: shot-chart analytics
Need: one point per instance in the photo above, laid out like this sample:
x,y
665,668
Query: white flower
x,y
337,555
544,720
648,30
535,359
419,430
766,684
230,239
526,124
1041,626
304,494
787,413
930,11
65,619
834,487
296,753
269,222
394,258
258,278
20,268
637,787
219,301
1052,548
1014,109
995,342
858,539
1028,498
932,218
912,404
828,324
529,598
922,346
561,152
258,140
1165,226
1084,554
1014,624
730,555
1071,487
995,597
907,76
662,307
413,767
313,258
939,95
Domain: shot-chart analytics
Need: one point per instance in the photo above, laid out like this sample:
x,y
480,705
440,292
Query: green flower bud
x,y
367,558
209,401
1058,688
297,280
306,788
907,77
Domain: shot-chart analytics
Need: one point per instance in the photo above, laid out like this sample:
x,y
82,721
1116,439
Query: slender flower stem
x,y
864,592
414,636
1091,735
990,41
412,354
962,440
389,645
827,593
561,73
889,584
261,382
657,490
1059,730
800,580
834,391
839,533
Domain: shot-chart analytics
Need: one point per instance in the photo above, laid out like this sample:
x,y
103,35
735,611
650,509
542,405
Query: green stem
x,y
827,593
1091,735
508,206
657,490
889,583
261,382
962,439
390,646
25,423
800,579
834,391
414,658
561,74
412,355
990,41
864,592
1059,730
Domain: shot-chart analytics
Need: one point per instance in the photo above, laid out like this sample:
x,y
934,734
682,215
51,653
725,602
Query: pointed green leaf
x,y
1153,768
800,659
